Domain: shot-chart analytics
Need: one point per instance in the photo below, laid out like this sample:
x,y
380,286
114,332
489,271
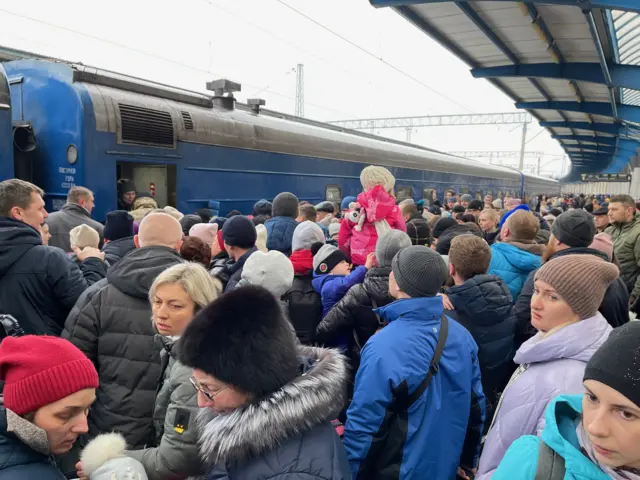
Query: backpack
x,y
550,464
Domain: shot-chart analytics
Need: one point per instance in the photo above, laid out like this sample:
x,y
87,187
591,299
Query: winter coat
x,y
114,251
562,418
513,262
443,427
175,445
418,230
216,267
378,205
63,221
232,272
24,450
304,307
483,306
614,306
286,435
333,287
626,245
280,233
548,367
115,331
490,237
354,315
40,285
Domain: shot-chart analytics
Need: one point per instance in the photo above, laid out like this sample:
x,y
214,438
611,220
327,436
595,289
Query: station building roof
x,y
574,65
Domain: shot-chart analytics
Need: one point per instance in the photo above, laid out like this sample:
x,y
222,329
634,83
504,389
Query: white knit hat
x,y
261,238
333,229
272,270
305,235
373,175
104,459
84,236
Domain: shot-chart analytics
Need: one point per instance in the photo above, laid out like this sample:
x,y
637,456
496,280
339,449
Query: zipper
x,y
519,371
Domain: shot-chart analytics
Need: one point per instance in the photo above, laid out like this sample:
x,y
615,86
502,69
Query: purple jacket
x,y
549,367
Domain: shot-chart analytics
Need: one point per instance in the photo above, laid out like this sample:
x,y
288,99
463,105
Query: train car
x,y
91,127
6,144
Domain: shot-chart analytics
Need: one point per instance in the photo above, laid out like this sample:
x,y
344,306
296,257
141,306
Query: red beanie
x,y
39,370
220,239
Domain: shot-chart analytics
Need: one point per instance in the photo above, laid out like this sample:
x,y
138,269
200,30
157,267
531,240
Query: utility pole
x,y
300,90
524,144
408,130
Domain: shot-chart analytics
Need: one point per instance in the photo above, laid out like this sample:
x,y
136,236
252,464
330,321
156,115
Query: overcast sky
x,y
259,43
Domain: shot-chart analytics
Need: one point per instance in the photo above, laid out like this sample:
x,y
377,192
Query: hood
x,y
119,247
15,239
314,397
425,309
377,204
577,341
517,257
302,261
531,247
483,298
376,284
21,442
136,271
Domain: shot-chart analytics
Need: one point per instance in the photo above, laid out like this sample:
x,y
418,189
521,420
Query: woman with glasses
x,y
268,402
176,295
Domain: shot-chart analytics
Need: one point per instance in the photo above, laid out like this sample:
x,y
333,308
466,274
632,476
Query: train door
x,y
157,179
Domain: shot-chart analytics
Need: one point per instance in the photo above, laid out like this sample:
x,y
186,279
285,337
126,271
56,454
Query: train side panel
x,y
6,142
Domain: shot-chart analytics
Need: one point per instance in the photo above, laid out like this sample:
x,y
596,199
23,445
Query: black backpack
x,y
550,464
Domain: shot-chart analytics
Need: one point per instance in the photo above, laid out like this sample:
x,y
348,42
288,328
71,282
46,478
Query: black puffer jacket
x,y
614,306
114,251
115,331
232,272
39,285
353,315
418,230
483,306
305,308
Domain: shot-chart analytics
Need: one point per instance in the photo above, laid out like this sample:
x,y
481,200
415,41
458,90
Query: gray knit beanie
x,y
389,244
306,234
574,228
285,205
419,271
581,281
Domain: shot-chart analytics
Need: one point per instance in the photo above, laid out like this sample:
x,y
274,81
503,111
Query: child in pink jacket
x,y
376,213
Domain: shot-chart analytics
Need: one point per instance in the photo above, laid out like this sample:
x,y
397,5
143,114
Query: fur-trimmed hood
x,y
317,395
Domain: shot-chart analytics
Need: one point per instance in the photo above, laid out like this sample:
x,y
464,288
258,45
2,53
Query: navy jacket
x,y
443,428
483,306
18,461
40,285
114,251
280,233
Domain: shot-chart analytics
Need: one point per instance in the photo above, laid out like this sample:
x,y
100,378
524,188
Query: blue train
x,y
75,125
6,145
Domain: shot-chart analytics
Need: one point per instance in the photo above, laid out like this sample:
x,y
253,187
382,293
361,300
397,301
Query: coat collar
x,y
314,397
425,308
32,436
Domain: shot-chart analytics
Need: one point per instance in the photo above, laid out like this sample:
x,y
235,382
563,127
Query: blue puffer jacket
x,y
513,262
443,428
20,460
562,417
333,287
280,233
483,306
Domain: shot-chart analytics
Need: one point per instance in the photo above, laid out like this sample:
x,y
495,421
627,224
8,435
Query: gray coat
x,y
114,330
175,451
63,221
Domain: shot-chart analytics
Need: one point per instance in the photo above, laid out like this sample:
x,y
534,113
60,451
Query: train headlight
x,y
72,154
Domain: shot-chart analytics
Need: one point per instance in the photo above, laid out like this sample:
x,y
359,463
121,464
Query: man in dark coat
x,y
118,236
417,226
76,211
571,234
239,236
482,304
112,326
38,285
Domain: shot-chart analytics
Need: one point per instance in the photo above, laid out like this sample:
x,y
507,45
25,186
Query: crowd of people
x,y
378,338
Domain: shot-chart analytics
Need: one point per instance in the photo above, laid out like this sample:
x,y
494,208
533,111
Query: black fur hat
x,y
242,339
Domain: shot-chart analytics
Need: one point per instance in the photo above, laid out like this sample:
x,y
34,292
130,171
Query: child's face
x,y
335,237
342,268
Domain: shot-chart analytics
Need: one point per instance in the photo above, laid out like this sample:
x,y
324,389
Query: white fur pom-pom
x,y
102,449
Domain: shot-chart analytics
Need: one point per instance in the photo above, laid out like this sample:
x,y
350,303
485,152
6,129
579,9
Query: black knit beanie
x,y
617,362
419,271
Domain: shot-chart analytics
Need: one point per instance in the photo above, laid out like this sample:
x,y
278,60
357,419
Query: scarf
x,y
620,473
302,261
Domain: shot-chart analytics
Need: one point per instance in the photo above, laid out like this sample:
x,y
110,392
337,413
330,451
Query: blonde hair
x,y
84,236
195,280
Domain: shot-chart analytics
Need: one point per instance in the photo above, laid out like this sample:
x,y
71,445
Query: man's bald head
x,y
159,230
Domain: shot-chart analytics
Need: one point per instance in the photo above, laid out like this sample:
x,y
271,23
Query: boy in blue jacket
x,y
332,275
390,432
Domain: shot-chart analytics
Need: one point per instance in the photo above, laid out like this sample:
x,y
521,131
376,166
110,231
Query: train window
x,y
333,193
5,99
429,195
479,195
464,190
402,193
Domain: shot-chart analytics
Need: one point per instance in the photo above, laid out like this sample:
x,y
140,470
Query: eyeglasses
x,y
209,395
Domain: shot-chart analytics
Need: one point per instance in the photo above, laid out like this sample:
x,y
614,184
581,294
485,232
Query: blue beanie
x,y
119,225
510,212
346,201
239,232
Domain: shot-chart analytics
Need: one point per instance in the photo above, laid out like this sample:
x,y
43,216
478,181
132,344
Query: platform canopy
x,y
573,64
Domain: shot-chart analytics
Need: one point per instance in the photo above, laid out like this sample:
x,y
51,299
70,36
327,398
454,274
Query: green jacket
x,y
626,245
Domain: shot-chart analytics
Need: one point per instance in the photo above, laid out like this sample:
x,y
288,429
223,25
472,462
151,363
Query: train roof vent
x,y
188,122
145,126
